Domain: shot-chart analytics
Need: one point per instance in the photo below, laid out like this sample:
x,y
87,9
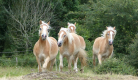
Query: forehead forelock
x,y
44,26
72,25
62,32
111,31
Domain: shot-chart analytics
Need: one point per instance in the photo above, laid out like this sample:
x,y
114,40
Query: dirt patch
x,y
53,76
75,76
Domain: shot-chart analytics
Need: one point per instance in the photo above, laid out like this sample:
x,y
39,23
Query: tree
x,y
98,14
2,25
23,23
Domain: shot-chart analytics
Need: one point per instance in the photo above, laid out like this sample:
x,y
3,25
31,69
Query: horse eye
x,y
64,35
107,33
48,30
40,29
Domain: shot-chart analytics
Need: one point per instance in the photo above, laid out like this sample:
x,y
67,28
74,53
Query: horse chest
x,y
106,53
42,53
66,52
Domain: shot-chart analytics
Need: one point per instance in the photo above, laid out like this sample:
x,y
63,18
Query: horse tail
x,y
83,58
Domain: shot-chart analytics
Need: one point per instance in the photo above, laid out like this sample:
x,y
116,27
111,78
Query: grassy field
x,y
28,73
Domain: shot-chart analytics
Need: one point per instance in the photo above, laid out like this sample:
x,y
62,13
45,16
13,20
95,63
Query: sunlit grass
x,y
15,71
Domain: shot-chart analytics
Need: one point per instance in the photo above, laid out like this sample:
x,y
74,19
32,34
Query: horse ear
x,y
40,22
75,23
48,23
114,27
68,23
106,27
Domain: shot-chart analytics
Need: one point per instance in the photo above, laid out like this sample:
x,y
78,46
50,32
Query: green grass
x,y
15,71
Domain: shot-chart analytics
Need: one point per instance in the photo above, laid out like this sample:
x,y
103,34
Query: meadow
x,y
28,73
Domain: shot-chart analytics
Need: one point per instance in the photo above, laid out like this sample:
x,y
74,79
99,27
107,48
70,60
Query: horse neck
x,y
107,43
66,41
42,43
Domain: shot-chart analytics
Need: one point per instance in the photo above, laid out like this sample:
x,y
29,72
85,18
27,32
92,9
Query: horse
x,y
45,49
69,47
103,46
72,29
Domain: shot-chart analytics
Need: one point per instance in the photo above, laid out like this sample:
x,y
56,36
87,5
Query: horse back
x,y
76,40
83,45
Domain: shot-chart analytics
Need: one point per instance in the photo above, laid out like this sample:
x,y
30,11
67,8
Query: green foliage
x,y
132,59
111,12
98,14
116,66
2,25
23,60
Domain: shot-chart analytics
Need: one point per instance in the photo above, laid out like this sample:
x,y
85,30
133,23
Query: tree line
x,y
19,21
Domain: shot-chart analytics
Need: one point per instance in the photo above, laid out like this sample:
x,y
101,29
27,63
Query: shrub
x,y
132,59
18,60
116,66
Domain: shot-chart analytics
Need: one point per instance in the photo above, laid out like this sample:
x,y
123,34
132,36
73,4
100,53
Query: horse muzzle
x,y
44,37
59,44
110,42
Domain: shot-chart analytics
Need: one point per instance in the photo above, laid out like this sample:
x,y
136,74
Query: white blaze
x,y
72,28
111,33
60,36
44,30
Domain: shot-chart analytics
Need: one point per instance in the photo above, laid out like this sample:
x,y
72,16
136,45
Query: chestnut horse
x,y
70,47
45,49
103,46
72,29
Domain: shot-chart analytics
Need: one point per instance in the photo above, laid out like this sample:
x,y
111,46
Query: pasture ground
x,y
27,73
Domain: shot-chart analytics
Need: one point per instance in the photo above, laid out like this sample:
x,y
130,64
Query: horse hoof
x,y
81,70
43,70
75,70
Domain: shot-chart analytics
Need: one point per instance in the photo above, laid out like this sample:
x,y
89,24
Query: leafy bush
x,y
133,57
18,60
116,66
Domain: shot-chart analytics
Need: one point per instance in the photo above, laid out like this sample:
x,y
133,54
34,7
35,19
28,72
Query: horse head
x,y
44,29
62,35
110,35
72,27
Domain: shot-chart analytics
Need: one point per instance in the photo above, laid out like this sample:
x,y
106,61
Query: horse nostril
x,y
59,44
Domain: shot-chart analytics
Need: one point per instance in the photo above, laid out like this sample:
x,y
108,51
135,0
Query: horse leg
x,y
39,64
61,62
48,65
69,63
52,64
94,56
46,61
75,63
100,59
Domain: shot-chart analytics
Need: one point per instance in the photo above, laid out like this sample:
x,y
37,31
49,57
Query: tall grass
x,y
115,66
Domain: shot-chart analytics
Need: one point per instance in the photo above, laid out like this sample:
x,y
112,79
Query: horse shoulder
x,y
54,46
97,42
53,39
36,48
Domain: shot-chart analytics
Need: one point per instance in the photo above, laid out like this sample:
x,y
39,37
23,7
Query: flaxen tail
x,y
83,58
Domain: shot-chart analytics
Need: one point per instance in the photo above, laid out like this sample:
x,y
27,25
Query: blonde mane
x,y
43,23
70,37
71,24
109,29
